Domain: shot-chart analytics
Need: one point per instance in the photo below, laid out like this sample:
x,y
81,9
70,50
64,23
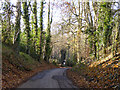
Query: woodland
x,y
85,35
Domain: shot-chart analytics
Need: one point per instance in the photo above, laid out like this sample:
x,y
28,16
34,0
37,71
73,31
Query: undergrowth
x,y
22,61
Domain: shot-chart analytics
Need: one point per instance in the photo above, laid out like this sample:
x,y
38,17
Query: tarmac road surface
x,y
54,78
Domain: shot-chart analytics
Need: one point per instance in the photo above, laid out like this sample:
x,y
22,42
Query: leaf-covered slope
x,y
18,68
103,75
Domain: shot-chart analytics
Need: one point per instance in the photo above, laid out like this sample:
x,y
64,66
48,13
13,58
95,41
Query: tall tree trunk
x,y
17,28
90,26
35,24
6,38
27,25
48,37
117,39
96,36
41,30
79,33
106,9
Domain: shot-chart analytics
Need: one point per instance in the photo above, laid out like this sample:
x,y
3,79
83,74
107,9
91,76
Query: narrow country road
x,y
54,78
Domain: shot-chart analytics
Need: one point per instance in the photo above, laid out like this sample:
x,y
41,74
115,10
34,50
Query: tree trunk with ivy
x,y
35,44
106,10
48,48
27,25
17,28
41,31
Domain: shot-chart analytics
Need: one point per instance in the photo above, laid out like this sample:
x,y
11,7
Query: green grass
x,y
27,59
22,60
79,67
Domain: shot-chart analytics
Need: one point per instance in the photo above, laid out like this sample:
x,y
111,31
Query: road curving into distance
x,y
54,78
